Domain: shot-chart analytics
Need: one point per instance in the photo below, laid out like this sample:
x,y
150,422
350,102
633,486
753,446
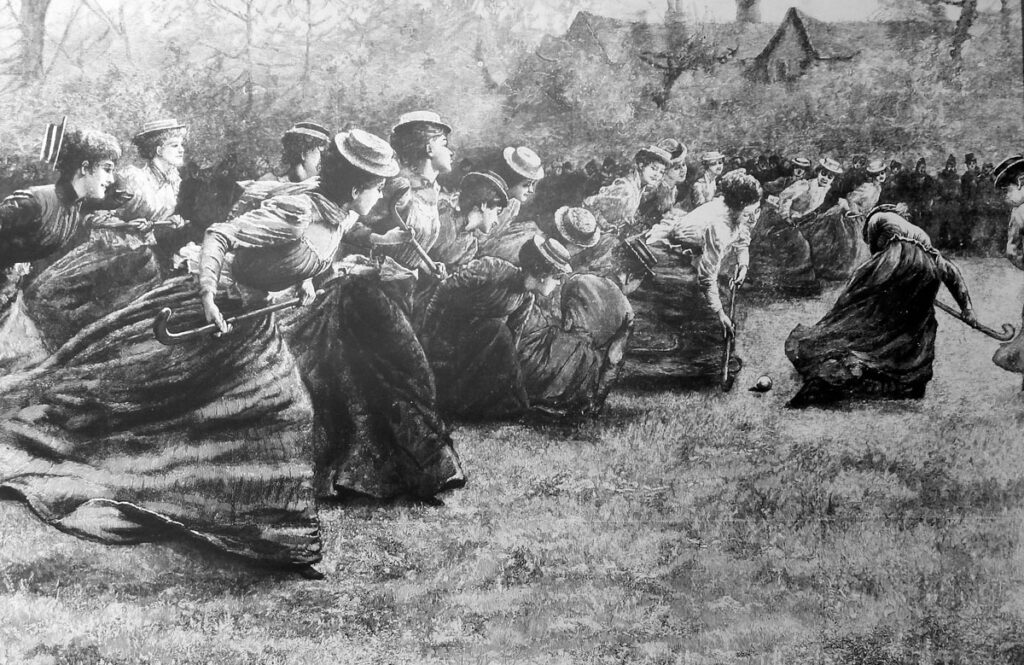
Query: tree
x,y
32,23
748,11
684,50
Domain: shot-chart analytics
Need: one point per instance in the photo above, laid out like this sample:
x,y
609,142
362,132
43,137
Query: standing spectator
x,y
947,201
964,231
922,197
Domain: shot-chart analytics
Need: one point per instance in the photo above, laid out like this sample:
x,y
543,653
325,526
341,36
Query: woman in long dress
x,y
878,340
681,324
121,438
39,222
120,260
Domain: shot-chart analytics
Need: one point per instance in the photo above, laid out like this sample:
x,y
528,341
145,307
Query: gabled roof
x,y
823,41
614,37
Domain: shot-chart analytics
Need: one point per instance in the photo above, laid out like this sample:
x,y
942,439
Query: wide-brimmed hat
x,y
548,252
656,153
489,180
1007,170
524,161
801,162
638,250
830,165
711,156
310,129
428,118
53,141
367,152
578,226
875,167
161,125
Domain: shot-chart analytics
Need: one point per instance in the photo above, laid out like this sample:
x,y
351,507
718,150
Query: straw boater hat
x,y
657,153
310,129
801,162
524,161
548,251
875,167
161,125
367,152
830,165
1008,170
428,118
578,226
490,180
711,156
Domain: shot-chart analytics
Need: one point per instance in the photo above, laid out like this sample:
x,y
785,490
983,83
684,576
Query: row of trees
x,y
239,71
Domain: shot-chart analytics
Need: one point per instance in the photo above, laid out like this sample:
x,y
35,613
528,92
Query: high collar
x,y
66,191
172,177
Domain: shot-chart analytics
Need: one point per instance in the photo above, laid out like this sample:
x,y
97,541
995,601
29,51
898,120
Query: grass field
x,y
682,528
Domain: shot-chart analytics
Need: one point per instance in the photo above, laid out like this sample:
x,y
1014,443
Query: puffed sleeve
x,y
710,264
279,220
1015,238
19,214
954,281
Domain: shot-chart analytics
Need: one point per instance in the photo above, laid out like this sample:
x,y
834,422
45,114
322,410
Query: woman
x,y
302,148
666,195
575,228
681,323
836,236
120,261
878,340
212,437
474,323
39,222
706,187
483,197
570,364
782,257
522,169
616,205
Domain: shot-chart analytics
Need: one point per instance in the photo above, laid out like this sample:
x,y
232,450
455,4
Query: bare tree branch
x,y
60,44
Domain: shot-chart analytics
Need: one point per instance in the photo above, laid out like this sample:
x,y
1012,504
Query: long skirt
x,y
21,344
780,258
121,439
677,338
878,340
837,243
569,373
476,365
89,282
378,428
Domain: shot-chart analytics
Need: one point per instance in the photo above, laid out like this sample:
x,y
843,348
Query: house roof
x,y
614,37
743,42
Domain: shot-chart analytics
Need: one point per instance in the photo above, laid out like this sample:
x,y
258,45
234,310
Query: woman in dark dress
x,y
474,324
120,438
121,259
879,338
39,222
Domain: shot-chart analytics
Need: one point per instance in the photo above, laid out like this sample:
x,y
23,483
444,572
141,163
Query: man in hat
x,y
963,231
420,140
705,188
302,146
1009,176
947,200
800,166
921,194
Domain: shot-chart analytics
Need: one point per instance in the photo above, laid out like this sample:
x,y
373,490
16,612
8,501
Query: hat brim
x,y
556,265
160,130
563,231
536,174
445,129
388,170
1009,173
